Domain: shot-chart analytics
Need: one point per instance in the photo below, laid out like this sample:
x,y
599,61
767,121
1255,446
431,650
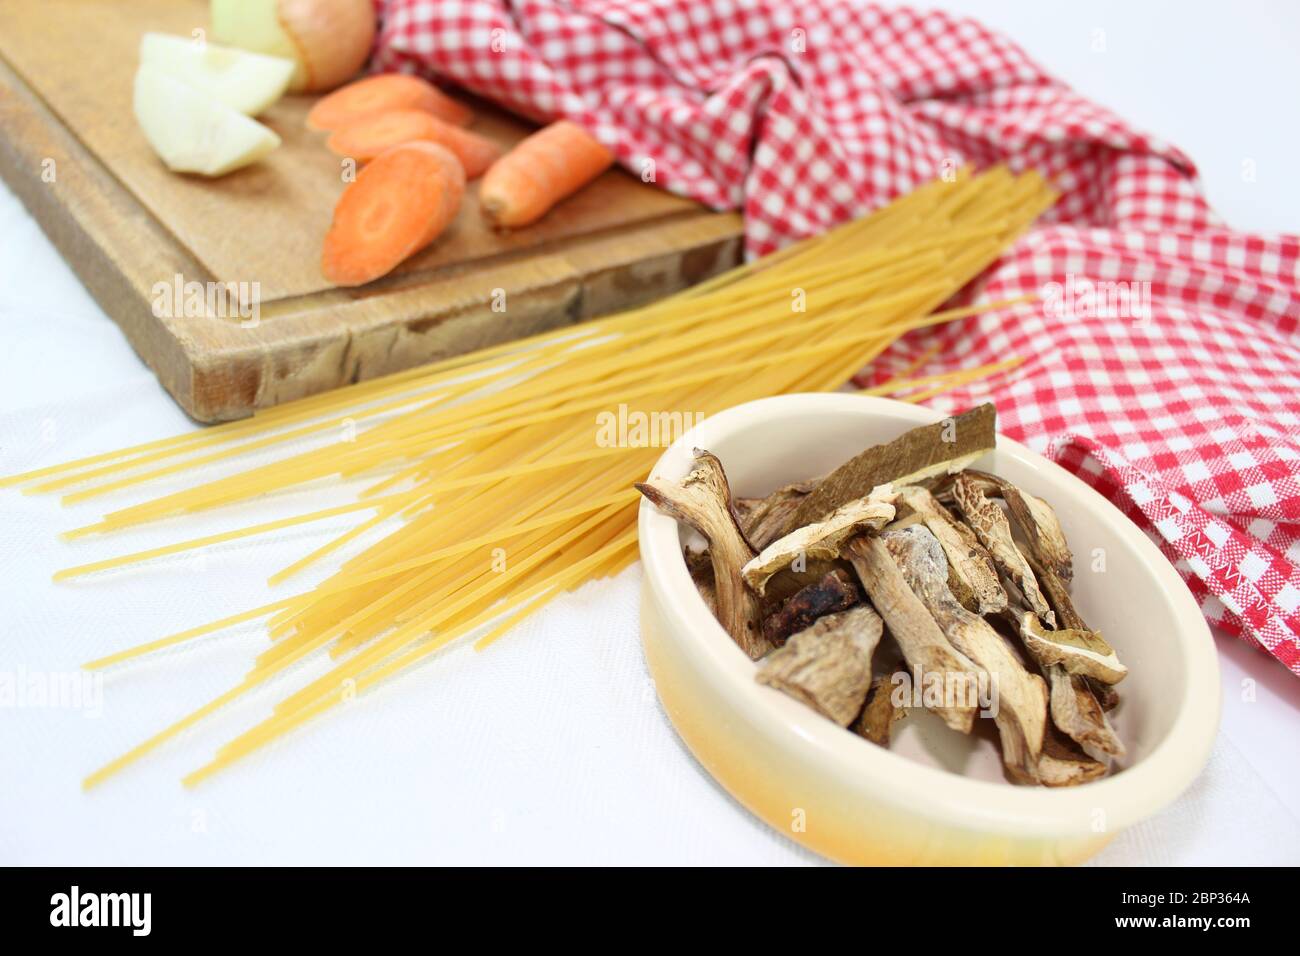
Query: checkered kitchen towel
x,y
1164,365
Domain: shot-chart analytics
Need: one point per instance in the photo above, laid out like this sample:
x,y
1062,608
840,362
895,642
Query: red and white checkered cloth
x,y
1180,400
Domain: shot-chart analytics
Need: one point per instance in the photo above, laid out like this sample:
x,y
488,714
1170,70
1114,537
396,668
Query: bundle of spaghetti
x,y
493,467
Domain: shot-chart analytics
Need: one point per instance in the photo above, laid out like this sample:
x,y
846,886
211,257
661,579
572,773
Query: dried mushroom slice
x,y
828,665
1070,643
1072,704
879,714
1099,661
822,540
703,500
942,448
763,520
1063,764
922,642
698,563
836,591
1022,697
1043,530
1080,652
700,566
994,532
1079,716
970,564
1037,520
1106,694
788,582
1058,595
901,522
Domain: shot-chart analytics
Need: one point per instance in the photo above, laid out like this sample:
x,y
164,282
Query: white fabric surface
x,y
551,746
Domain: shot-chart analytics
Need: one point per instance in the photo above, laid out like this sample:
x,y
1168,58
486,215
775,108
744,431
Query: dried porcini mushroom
x,y
1106,694
1063,764
1077,713
789,581
994,532
902,521
836,591
1078,651
700,566
933,559
1057,593
1071,643
1073,706
920,638
1043,530
1078,701
703,500
823,539
1022,697
968,561
1037,521
698,563
828,665
879,713
763,520
942,448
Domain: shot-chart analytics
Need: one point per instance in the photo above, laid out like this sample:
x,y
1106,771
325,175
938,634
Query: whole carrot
x,y
548,166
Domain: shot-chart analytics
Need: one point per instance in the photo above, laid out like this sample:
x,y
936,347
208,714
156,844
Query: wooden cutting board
x,y
70,148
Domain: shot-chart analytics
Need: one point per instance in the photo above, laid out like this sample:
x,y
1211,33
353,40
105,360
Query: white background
x,y
550,747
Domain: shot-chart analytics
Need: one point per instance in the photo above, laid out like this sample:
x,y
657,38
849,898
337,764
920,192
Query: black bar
x,y
333,907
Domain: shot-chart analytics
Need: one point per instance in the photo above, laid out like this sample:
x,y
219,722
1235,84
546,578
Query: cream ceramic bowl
x,y
935,797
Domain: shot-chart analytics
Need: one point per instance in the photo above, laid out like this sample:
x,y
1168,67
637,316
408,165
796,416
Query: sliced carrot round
x,y
366,138
381,93
402,201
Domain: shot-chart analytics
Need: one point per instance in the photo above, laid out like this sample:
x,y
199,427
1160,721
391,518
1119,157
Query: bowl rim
x,y
1139,791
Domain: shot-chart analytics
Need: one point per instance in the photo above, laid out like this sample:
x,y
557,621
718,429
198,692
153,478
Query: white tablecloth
x,y
551,746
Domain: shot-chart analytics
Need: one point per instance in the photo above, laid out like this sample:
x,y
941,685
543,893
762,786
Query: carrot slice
x,y
369,136
381,93
553,163
400,202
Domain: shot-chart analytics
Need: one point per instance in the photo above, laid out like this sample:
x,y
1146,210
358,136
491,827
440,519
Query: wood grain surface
x,y
70,147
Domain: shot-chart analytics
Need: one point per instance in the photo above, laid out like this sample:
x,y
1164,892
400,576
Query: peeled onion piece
x,y
192,131
328,39
247,82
